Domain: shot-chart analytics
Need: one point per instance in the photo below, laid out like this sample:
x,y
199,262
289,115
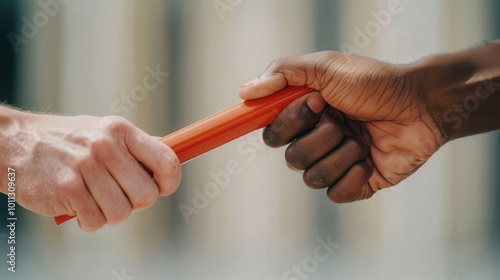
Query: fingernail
x,y
336,114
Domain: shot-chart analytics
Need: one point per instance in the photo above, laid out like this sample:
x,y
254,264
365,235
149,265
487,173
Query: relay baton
x,y
225,126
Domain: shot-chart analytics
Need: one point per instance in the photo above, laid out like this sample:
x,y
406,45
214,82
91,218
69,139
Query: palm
x,y
381,107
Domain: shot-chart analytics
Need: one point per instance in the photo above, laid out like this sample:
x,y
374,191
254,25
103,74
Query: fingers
x,y
315,102
331,152
134,180
108,195
306,70
345,172
326,147
157,157
326,135
334,165
353,185
298,117
89,215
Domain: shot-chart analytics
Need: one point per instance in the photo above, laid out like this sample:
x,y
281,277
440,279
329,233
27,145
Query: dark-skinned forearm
x,y
462,90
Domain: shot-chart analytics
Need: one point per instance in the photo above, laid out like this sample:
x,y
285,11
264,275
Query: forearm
x,y
462,90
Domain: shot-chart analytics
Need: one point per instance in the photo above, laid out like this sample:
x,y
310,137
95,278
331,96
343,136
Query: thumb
x,y
309,70
157,157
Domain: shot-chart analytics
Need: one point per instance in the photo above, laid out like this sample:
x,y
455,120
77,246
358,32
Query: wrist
x,y
11,124
460,90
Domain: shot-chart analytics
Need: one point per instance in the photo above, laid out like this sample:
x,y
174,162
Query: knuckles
x,y
323,175
327,55
115,124
271,138
357,149
349,193
170,176
296,157
146,198
298,118
294,119
97,222
73,185
104,143
297,154
119,213
275,64
334,128
337,195
100,143
316,178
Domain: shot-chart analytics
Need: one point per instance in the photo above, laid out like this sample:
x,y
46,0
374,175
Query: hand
x,y
89,167
374,132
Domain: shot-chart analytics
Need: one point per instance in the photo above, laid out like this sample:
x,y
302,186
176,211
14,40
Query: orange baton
x,y
225,126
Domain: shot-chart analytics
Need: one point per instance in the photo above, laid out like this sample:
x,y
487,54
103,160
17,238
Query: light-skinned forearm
x,y
11,122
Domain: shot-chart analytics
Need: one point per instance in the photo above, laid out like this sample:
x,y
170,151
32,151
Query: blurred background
x,y
91,57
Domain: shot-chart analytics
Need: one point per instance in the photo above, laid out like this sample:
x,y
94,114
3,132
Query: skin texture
x,y
377,123
85,166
